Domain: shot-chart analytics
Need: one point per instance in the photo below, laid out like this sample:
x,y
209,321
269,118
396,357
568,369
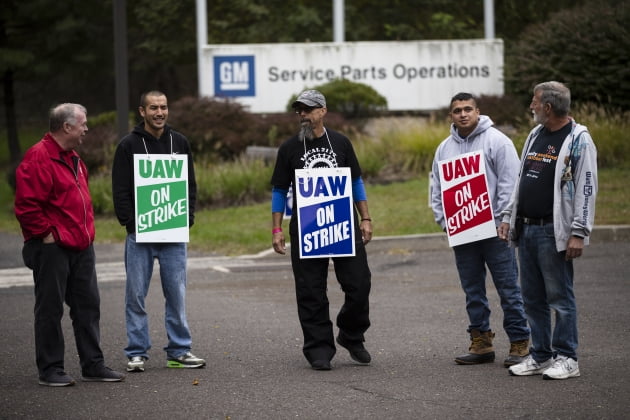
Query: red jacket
x,y
52,195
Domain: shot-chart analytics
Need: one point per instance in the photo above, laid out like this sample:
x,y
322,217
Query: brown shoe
x,y
518,352
480,350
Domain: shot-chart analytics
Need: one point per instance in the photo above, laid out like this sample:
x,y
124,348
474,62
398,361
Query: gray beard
x,y
539,119
306,132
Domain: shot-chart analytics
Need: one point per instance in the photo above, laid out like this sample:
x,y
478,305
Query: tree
x,y
49,53
13,25
512,17
162,47
9,98
44,50
585,47
55,53
246,21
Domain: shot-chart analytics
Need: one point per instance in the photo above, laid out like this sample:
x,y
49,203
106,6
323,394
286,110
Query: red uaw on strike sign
x,y
466,199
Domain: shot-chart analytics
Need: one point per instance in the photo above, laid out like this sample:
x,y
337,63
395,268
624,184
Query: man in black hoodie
x,y
153,137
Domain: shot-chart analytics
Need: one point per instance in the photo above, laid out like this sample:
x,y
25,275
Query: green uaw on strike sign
x,y
161,183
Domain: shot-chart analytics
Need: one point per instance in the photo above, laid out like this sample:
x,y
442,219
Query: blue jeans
x,y
471,260
139,258
547,282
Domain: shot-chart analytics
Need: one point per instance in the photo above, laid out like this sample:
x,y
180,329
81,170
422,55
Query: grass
x,y
234,197
399,208
613,198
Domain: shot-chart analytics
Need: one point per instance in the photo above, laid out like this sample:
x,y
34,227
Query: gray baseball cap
x,y
311,98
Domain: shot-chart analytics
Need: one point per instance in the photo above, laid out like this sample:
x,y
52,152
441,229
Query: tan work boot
x,y
480,351
518,352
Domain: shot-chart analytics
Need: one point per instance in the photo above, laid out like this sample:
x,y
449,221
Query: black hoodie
x,y
139,141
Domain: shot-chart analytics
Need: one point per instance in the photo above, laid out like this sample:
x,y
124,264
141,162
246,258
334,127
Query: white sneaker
x,y
186,360
136,364
530,367
562,368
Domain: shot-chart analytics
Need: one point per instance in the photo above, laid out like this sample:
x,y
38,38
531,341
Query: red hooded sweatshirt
x,y
52,195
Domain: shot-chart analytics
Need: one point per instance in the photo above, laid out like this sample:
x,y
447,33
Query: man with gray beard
x,y
317,147
550,218
306,130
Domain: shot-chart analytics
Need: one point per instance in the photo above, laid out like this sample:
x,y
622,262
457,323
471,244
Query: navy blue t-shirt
x,y
537,181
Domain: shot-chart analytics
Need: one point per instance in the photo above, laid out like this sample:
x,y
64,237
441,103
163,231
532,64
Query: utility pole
x,y
121,67
339,31
202,41
488,18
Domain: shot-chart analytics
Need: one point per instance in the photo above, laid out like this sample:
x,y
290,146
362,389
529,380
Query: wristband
x,y
276,230
367,218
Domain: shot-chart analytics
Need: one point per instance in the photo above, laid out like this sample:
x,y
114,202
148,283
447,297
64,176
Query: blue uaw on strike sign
x,y
325,212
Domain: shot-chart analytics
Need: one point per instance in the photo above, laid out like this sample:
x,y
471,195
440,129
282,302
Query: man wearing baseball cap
x,y
312,98
315,146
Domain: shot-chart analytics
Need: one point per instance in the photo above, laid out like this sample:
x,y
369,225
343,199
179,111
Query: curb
x,y
114,271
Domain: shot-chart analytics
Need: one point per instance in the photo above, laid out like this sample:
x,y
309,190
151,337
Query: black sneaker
x,y
356,349
102,374
58,378
321,365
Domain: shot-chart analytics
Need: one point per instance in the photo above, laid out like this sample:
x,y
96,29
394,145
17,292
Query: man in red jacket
x,y
54,208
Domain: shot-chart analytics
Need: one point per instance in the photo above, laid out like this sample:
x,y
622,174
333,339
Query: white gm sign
x,y
411,75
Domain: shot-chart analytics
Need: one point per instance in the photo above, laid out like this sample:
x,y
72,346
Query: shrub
x,y
399,148
609,131
391,149
220,129
352,100
506,110
99,145
101,192
235,183
585,47
280,127
607,127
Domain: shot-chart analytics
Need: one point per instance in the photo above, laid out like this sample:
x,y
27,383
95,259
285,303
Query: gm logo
x,y
234,75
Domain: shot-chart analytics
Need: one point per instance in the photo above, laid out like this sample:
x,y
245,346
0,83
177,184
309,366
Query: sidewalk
x,y
109,257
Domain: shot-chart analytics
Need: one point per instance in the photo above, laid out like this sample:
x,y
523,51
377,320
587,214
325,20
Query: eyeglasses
x,y
306,109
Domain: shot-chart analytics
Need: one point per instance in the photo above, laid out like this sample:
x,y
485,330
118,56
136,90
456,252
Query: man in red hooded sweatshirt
x,y
54,208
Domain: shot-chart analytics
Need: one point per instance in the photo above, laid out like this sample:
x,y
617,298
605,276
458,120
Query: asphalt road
x,y
243,317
